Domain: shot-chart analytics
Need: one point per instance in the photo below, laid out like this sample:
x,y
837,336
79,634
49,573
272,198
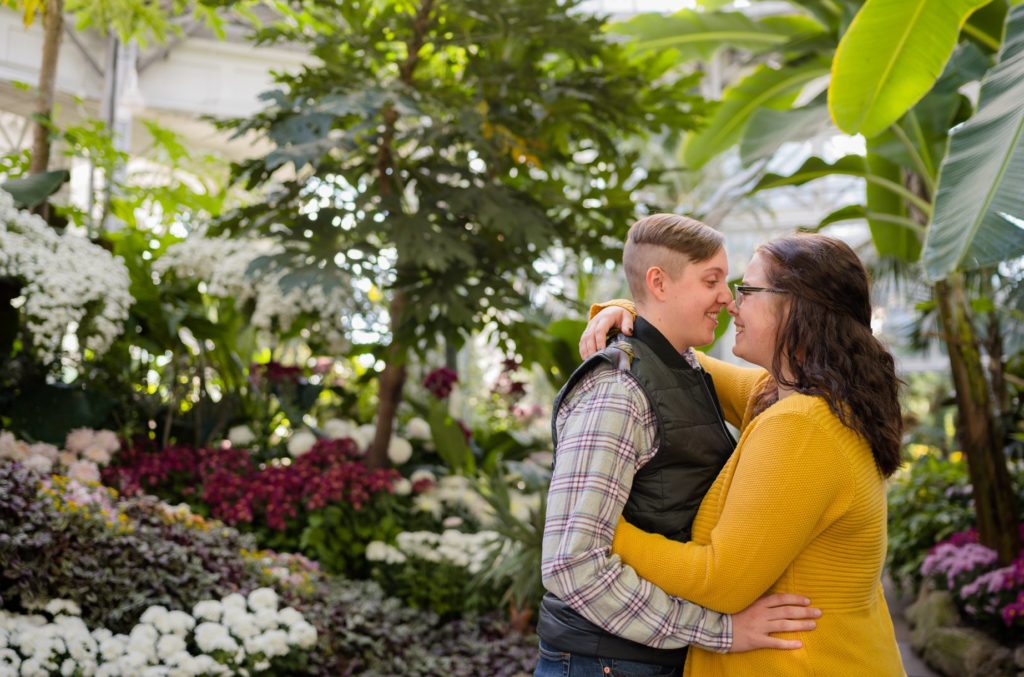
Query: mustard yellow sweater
x,y
800,507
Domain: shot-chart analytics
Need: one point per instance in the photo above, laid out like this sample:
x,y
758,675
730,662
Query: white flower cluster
x,y
470,551
457,493
68,282
222,264
235,635
399,449
453,492
86,451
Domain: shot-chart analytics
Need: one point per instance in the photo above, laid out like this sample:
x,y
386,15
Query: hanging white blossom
x,y
70,284
223,265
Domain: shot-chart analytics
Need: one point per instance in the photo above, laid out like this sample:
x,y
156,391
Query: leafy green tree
x,y
942,175
444,147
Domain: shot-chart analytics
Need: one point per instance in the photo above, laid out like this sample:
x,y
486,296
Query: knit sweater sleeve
x,y
735,385
788,486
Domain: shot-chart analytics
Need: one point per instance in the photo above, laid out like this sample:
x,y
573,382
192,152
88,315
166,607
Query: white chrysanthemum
x,y
363,435
300,442
402,487
106,440
302,635
273,643
208,610
175,623
84,471
263,598
40,464
399,450
170,645
241,623
43,449
233,601
289,616
241,436
10,661
337,428
151,615
79,439
212,637
11,447
32,667
418,429
112,648
97,455
422,474
68,282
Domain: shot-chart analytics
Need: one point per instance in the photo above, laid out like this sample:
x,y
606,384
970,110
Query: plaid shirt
x,y
606,432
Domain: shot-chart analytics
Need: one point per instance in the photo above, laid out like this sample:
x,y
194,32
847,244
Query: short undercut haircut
x,y
669,242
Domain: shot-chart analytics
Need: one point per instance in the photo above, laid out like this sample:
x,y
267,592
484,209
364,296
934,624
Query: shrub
x,y
63,539
987,594
438,571
929,500
326,502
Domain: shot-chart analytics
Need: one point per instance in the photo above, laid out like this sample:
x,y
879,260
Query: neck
x,y
784,391
663,324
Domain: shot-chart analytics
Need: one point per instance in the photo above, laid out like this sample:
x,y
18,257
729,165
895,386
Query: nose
x,y
734,308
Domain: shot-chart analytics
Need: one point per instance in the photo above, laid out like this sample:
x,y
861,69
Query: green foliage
x,y
372,633
449,440
141,21
928,501
979,207
515,562
443,588
61,544
699,35
448,157
767,87
337,535
910,42
31,191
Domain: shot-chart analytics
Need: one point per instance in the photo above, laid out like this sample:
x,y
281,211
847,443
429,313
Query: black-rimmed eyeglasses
x,y
744,289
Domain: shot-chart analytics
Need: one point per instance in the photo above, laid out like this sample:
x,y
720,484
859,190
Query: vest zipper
x,y
717,406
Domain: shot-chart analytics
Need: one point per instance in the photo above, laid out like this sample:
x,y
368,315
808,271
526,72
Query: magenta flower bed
x,y
236,490
985,592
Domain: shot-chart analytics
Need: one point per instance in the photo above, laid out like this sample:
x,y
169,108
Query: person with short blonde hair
x,y
632,421
801,504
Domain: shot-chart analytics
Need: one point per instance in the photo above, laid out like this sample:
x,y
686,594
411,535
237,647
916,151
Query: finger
x,y
784,599
795,612
587,345
776,643
793,626
627,325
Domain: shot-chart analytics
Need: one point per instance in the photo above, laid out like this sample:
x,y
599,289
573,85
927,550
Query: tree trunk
x,y
53,30
994,496
389,394
392,379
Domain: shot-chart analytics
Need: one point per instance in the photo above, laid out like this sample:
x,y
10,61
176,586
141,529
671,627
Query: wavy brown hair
x,y
825,340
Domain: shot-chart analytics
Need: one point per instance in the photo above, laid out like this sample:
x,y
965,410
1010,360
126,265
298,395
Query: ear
x,y
655,280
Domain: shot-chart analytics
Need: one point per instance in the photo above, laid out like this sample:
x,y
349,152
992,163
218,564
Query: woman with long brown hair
x,y
800,506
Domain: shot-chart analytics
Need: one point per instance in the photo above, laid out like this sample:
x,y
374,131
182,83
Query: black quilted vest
x,y
693,446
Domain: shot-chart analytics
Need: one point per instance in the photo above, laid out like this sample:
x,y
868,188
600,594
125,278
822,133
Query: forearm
x,y
613,596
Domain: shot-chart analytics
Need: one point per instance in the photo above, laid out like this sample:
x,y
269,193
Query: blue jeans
x,y
560,664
